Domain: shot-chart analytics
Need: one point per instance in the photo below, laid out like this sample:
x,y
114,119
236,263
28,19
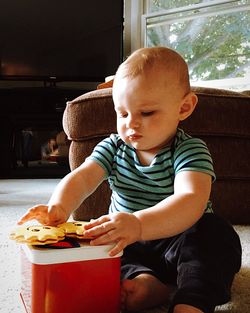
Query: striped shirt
x,y
136,187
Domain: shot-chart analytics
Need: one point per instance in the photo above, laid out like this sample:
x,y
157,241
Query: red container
x,y
73,280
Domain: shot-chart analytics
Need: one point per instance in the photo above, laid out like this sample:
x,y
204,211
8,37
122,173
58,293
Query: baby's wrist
x,y
139,223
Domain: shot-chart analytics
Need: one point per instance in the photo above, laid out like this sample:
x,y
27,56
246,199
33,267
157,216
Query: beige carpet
x,y
17,195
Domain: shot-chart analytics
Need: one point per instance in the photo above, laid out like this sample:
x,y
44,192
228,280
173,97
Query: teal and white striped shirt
x,y
136,187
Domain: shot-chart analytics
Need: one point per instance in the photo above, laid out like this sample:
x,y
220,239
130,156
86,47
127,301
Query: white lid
x,y
85,252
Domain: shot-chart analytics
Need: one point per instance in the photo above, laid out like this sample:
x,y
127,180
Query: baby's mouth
x,y
134,137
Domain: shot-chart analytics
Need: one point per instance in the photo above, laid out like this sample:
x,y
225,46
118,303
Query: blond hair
x,y
145,59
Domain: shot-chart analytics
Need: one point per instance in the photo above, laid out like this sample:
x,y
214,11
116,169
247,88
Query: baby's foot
x,y
143,292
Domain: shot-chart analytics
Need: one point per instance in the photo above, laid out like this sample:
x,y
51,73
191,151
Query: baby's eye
x,y
147,113
122,115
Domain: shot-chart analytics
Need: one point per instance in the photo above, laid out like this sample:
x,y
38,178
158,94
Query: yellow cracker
x,y
37,234
74,229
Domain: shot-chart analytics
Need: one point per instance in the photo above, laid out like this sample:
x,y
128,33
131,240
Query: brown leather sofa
x,y
221,119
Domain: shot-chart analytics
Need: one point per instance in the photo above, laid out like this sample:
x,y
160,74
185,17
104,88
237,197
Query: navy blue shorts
x,y
201,262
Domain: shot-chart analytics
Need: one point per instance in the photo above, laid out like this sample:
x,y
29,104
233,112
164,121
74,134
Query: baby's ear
x,y
188,105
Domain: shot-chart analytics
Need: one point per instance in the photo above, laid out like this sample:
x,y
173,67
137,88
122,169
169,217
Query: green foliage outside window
x,y
215,47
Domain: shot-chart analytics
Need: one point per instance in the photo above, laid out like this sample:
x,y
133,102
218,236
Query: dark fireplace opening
x,y
39,153
29,117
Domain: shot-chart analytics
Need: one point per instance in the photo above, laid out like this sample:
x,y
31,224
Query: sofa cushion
x,y
90,115
220,112
221,119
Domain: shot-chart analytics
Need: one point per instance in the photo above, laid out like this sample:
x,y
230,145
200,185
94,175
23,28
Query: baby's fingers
x,y
118,248
111,237
119,245
97,222
38,212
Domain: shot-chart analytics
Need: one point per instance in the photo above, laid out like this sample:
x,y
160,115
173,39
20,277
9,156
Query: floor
x,y
16,195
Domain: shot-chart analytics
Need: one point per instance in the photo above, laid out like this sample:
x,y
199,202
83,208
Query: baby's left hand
x,y
119,228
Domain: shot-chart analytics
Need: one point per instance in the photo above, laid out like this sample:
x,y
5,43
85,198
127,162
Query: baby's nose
x,y
133,122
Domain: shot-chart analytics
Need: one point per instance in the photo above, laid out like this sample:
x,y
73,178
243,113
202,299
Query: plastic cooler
x,y
73,280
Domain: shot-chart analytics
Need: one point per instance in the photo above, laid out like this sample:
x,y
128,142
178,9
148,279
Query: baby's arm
x,y
169,217
68,195
180,211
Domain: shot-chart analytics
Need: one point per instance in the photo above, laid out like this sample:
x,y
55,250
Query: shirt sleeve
x,y
104,153
193,155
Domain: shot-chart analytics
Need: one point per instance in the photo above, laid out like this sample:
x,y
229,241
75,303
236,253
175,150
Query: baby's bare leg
x,y
142,292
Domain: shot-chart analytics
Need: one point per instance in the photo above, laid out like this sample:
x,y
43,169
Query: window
x,y
212,36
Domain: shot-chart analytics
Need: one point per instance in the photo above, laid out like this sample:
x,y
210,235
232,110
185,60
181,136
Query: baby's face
x,y
147,111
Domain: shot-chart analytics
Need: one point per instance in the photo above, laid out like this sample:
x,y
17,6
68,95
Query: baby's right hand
x,y
45,215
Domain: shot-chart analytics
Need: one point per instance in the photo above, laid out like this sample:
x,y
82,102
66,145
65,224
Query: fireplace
x,y
39,153
30,118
